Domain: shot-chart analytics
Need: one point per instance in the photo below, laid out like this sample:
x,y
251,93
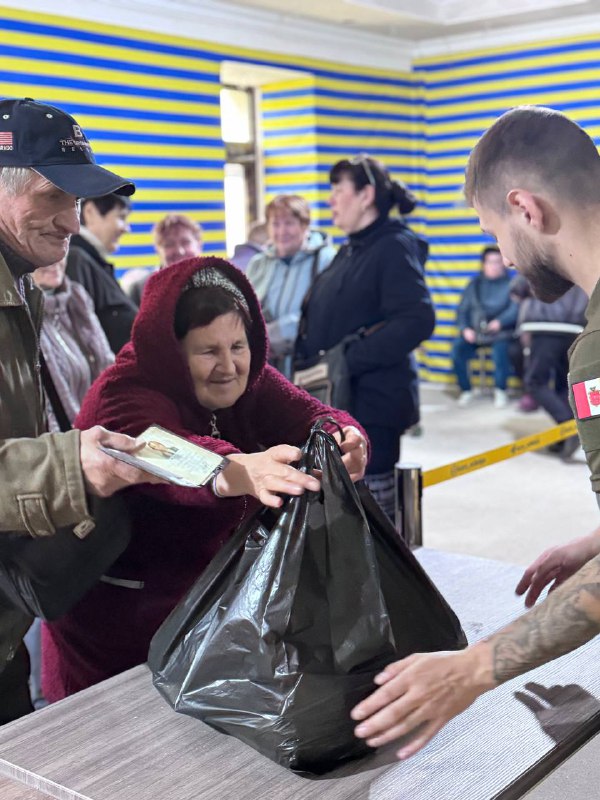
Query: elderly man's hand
x,y
354,449
104,474
423,691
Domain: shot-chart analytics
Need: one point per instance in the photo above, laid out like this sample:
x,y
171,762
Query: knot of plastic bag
x,y
319,437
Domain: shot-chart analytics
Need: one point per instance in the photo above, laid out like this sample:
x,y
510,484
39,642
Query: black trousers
x,y
15,701
548,362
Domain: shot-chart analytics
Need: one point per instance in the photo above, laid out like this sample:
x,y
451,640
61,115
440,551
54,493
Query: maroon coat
x,y
175,531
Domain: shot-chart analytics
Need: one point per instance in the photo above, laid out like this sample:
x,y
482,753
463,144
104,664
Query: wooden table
x,y
11,790
120,740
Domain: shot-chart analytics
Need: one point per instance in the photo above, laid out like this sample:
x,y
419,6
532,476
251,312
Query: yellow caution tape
x,y
516,448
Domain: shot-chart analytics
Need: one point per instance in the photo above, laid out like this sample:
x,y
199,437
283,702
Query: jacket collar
x,y
9,294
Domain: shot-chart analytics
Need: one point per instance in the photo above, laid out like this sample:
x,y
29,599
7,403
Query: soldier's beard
x,y
541,270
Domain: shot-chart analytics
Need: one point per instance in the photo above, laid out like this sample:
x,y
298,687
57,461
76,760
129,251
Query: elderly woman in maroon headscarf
x,y
196,365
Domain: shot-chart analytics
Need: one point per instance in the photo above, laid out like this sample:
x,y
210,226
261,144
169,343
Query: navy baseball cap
x,y
51,142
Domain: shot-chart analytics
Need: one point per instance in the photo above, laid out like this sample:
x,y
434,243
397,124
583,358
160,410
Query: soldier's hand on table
x,y
103,474
557,564
423,691
354,449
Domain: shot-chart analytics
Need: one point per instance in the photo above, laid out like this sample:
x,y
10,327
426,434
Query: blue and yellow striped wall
x,y
150,105
311,123
463,94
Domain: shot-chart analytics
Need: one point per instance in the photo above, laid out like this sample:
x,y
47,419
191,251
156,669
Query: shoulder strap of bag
x,y
55,401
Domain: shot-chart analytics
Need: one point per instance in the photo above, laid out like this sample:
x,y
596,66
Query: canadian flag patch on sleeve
x,y
587,398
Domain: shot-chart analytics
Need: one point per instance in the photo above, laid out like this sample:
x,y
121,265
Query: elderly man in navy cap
x,y
46,166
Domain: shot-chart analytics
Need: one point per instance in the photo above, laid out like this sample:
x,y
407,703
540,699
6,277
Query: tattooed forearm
x,y
568,618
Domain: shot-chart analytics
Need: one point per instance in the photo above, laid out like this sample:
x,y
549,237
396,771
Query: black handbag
x,y
285,630
46,576
327,376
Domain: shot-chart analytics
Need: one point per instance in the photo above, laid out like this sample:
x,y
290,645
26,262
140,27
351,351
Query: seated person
x,y
103,222
283,274
176,237
197,366
74,346
486,316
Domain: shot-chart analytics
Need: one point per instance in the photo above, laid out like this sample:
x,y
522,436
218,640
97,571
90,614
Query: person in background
x,y
196,365
486,316
74,346
176,237
551,329
103,222
257,239
375,290
283,274
534,181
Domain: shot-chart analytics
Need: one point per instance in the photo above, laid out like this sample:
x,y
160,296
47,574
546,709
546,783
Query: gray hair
x,y
14,180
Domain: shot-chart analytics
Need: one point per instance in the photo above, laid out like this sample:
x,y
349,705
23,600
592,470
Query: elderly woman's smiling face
x,y
218,357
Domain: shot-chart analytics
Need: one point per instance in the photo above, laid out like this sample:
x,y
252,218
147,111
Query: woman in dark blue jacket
x,y
375,286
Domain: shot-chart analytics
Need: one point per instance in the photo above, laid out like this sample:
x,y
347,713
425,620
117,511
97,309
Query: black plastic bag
x,y
285,630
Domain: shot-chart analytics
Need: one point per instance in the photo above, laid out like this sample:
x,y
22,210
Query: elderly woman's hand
x,y
354,448
265,476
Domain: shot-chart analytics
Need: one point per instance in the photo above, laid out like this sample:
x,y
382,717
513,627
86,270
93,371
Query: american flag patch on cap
x,y
6,139
587,398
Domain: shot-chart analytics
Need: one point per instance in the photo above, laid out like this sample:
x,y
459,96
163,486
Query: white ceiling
x,y
421,19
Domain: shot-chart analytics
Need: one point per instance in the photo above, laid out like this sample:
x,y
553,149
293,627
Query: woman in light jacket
x,y
283,274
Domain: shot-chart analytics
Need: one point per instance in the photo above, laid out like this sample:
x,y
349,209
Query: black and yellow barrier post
x,y
410,480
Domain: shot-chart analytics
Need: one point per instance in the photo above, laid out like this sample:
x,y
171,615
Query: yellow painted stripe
x,y
146,217
525,445
108,147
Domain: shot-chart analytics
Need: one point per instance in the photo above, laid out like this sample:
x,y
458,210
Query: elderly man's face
x,y
37,224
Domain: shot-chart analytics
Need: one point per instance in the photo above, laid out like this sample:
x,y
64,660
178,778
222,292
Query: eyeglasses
x,y
361,160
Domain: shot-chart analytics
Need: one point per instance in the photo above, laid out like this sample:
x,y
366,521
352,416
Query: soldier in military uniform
x,y
534,180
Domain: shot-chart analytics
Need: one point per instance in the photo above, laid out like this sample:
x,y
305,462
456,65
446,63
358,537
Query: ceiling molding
x,y
257,29
253,29
487,38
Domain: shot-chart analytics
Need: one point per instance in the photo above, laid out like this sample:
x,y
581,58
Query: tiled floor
x,y
510,511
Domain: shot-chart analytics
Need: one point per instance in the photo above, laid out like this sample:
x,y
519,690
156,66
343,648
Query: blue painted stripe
x,y
152,138
441,257
101,86
326,130
197,205
458,239
148,227
76,109
148,249
340,152
336,112
525,52
134,160
73,34
178,184
81,59
338,94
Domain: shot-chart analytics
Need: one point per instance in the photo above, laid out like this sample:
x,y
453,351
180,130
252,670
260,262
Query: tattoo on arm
x,y
568,618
